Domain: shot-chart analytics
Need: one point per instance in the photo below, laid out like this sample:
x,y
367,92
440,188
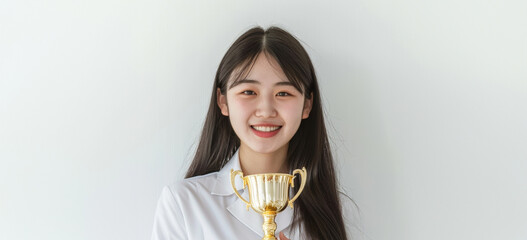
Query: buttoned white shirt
x,y
205,207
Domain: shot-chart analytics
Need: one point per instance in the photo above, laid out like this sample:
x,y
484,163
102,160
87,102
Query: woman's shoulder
x,y
177,201
187,186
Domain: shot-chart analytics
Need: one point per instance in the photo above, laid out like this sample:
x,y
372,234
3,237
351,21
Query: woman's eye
x,y
283,94
248,92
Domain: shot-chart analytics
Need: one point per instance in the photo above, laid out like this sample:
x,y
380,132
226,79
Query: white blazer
x,y
205,207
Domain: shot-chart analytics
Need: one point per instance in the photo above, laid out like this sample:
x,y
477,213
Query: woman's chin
x,y
265,148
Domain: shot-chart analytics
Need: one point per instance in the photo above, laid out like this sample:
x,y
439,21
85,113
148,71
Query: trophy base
x,y
269,225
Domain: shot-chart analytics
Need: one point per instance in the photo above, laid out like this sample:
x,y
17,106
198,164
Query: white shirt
x,y
205,207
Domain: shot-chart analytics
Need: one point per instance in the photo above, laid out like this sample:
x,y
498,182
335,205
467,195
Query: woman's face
x,y
265,109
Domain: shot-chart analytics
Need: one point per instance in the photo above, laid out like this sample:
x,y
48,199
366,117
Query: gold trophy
x,y
269,195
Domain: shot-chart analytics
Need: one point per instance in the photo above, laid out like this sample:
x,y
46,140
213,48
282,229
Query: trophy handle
x,y
233,176
303,174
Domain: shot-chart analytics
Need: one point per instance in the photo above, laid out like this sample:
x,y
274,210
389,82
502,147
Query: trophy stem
x,y
269,226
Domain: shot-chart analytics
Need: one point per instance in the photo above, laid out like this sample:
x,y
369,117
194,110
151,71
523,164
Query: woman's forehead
x,y
264,70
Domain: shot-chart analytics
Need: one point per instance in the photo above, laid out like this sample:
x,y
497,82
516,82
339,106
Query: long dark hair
x,y
318,207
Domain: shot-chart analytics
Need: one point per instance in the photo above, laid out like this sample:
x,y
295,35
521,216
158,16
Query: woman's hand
x,y
282,236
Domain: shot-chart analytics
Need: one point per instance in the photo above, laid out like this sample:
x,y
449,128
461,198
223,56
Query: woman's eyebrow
x,y
251,81
236,83
284,84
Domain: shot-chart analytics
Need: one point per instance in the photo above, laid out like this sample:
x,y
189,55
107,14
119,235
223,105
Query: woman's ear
x,y
308,104
222,102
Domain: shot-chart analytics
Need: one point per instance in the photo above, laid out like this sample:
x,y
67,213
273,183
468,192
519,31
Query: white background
x,y
102,103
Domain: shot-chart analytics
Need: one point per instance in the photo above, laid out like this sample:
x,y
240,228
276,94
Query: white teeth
x,y
265,128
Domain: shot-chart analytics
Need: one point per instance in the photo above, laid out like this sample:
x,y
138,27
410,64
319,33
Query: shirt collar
x,y
223,185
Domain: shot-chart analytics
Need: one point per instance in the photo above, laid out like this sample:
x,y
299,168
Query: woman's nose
x,y
266,107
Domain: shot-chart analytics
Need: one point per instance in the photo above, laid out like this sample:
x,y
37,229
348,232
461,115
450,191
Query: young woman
x,y
265,116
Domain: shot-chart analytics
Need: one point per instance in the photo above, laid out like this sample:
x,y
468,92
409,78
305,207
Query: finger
x,y
282,236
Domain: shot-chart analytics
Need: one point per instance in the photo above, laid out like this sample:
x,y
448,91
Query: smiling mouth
x,y
266,128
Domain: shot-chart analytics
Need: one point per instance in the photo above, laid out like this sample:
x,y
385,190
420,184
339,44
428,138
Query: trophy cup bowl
x,y
269,195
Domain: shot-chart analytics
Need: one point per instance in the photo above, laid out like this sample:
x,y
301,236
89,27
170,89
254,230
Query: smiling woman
x,y
265,116
265,112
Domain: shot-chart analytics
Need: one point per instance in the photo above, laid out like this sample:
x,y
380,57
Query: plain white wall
x,y
102,102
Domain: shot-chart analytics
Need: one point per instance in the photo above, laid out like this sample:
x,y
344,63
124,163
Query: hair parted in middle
x,y
319,206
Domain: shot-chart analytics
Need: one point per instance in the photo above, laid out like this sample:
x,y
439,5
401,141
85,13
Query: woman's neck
x,y
254,163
